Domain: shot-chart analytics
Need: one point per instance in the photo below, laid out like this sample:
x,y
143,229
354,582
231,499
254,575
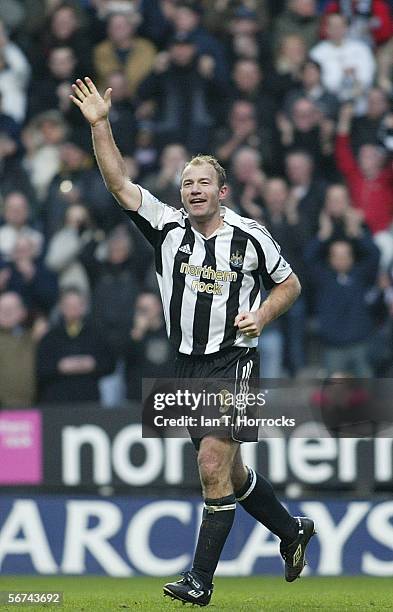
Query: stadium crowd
x,y
294,97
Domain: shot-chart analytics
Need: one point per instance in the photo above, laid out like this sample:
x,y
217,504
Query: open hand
x,y
93,106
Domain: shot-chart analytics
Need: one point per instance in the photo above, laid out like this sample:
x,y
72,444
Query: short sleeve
x,y
156,213
271,264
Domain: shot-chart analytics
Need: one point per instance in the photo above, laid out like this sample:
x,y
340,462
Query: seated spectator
x,y
181,97
299,17
17,355
369,176
338,219
307,193
341,283
187,24
348,66
41,139
148,354
165,183
16,224
123,50
370,22
26,274
66,245
14,77
364,129
72,356
312,89
247,181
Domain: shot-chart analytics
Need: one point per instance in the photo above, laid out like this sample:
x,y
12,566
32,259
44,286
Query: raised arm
x,y
95,109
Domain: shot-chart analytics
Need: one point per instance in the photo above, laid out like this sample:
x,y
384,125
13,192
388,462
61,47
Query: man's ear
x,y
223,192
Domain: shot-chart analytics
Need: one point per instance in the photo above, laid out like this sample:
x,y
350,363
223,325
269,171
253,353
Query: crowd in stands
x,y
294,97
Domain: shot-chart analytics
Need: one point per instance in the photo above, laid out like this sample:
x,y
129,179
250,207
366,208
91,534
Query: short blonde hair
x,y
198,160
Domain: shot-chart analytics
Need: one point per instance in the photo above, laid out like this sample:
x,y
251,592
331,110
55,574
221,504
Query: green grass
x,y
255,594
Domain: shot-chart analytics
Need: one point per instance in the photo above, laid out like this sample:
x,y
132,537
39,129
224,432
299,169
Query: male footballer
x,y
214,326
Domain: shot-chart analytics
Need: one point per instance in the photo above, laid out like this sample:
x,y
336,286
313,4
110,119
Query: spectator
x,y
312,89
248,81
369,21
27,275
181,97
17,355
348,66
299,17
14,77
286,228
148,354
242,130
165,184
365,127
385,68
306,130
338,219
65,28
341,285
247,180
16,218
289,60
72,356
369,177
123,50
246,38
122,117
42,138
307,193
67,244
187,24
115,283
62,69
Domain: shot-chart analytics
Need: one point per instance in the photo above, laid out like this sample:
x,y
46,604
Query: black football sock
x,y
258,499
218,515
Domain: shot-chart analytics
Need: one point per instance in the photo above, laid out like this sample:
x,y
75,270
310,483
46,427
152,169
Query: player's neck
x,y
207,227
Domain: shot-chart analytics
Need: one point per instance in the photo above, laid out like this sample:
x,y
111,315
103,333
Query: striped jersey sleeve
x,y
272,266
156,213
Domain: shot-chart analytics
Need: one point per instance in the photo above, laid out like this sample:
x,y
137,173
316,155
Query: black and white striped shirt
x,y
206,282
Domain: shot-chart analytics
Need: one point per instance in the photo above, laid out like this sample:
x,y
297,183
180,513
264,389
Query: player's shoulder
x,y
247,225
170,213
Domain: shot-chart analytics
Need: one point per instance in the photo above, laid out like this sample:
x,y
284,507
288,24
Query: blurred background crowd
x,y
294,97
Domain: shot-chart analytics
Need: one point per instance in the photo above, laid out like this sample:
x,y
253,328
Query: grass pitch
x,y
255,594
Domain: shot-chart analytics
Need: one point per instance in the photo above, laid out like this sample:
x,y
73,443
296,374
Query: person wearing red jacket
x,y
369,177
370,18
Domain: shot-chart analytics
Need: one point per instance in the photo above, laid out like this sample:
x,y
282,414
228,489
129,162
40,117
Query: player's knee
x,y
212,469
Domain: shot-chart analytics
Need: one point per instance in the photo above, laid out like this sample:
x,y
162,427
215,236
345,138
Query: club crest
x,y
236,260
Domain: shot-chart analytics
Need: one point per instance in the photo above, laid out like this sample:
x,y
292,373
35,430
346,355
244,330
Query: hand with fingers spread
x,y
93,106
249,324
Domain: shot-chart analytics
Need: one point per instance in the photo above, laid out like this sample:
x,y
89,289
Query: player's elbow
x,y
295,286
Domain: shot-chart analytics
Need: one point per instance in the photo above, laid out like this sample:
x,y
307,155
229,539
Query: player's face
x,y
200,193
